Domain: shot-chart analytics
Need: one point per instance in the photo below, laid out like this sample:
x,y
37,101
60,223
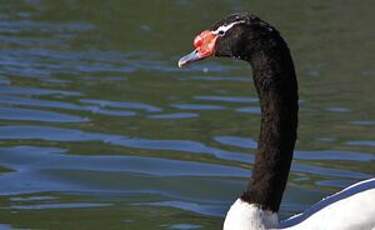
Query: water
x,y
100,130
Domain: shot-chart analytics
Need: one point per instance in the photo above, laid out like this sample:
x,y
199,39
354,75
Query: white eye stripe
x,y
221,30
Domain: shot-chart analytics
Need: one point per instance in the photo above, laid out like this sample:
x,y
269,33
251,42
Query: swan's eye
x,y
221,32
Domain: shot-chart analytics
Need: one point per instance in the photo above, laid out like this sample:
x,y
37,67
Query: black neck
x,y
276,84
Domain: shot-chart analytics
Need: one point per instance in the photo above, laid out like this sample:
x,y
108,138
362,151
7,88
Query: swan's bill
x,y
204,44
191,57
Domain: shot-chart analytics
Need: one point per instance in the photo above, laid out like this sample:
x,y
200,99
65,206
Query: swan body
x,y
350,209
248,38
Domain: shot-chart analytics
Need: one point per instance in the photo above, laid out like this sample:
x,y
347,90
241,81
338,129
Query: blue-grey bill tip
x,y
191,57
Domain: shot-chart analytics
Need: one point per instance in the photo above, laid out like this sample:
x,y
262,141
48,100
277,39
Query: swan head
x,y
234,36
245,216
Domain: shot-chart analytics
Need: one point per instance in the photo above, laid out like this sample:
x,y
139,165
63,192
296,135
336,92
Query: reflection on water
x,y
100,128
227,99
36,115
174,116
59,206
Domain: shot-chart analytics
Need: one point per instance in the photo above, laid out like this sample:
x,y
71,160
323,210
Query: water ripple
x,y
198,107
185,226
249,143
37,115
365,123
58,134
28,158
368,143
173,116
59,206
33,102
211,78
122,104
237,141
338,109
205,209
252,110
14,90
227,99
18,26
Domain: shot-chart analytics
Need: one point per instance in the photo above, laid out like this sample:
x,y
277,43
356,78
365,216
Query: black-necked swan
x,y
246,37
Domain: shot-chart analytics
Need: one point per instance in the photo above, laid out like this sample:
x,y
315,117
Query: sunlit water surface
x,y
100,130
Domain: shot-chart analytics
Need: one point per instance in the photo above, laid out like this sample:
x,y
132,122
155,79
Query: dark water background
x,y
100,130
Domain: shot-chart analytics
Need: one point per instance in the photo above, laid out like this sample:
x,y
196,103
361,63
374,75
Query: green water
x,y
101,130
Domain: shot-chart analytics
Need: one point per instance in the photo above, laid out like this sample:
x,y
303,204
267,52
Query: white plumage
x,y
350,209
